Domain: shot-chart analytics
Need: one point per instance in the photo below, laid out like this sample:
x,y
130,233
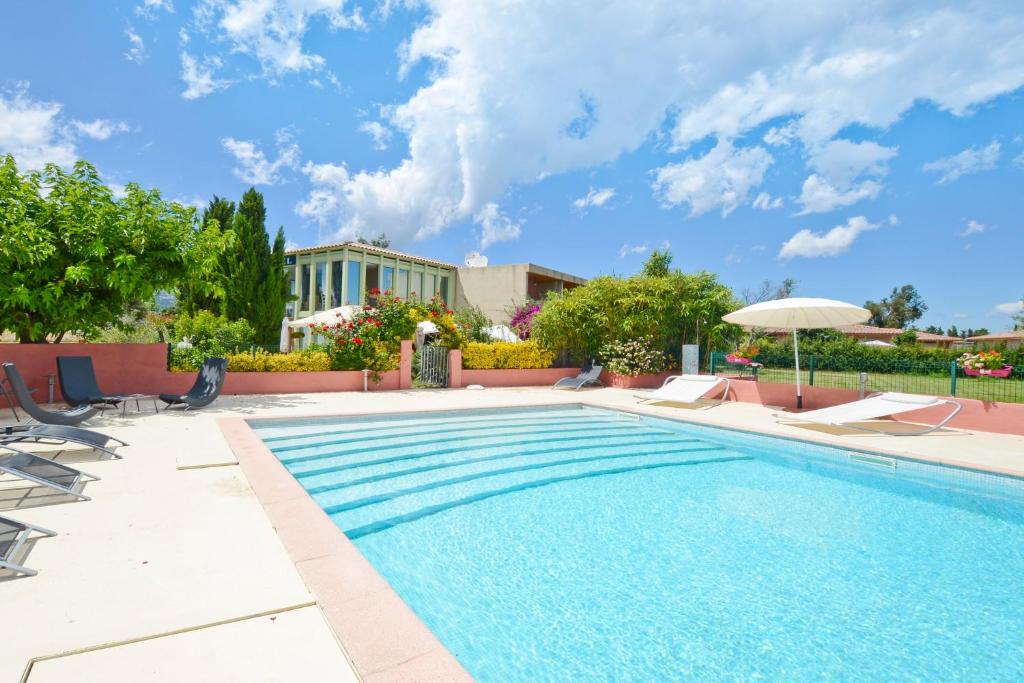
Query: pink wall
x,y
142,369
541,377
611,379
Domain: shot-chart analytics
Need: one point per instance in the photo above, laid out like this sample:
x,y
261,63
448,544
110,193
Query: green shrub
x,y
207,334
262,361
632,358
472,321
499,355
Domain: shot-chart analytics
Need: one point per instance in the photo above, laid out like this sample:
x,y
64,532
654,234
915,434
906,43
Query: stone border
x,y
380,635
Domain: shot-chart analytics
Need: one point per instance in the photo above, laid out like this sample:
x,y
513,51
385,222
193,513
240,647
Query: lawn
x,y
982,388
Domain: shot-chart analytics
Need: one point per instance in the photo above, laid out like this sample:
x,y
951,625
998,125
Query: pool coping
x,y
382,638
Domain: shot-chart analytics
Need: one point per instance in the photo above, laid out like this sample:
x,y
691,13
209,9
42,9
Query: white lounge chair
x,y
874,407
687,389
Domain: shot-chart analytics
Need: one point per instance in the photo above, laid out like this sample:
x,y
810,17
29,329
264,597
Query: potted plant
x,y
743,355
634,363
984,364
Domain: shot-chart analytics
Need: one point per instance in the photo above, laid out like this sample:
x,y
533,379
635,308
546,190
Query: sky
x,y
851,146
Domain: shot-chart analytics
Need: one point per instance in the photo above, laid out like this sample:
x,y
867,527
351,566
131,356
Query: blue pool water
x,y
575,544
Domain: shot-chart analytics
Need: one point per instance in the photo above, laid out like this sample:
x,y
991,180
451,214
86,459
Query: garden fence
x,y
934,379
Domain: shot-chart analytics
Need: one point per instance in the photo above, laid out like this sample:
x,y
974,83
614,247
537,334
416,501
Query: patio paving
x,y
174,572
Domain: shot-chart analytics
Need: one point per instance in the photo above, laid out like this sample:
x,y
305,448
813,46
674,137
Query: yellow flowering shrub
x,y
262,361
498,355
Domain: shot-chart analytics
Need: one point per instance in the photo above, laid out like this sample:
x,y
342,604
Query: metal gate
x,y
434,366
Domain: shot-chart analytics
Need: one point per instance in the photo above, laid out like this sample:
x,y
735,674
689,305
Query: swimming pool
x,y
574,543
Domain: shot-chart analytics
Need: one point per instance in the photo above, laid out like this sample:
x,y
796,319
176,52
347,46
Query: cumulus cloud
x,y
722,178
99,129
973,227
380,133
495,226
627,250
845,173
712,72
254,167
151,9
765,202
1009,308
198,77
137,47
971,160
893,219
33,131
808,244
594,197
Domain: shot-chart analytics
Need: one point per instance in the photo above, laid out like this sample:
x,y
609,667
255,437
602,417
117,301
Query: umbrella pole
x,y
796,351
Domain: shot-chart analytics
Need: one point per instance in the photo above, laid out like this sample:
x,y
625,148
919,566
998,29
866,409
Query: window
x,y
289,308
417,287
304,302
353,287
372,276
443,292
430,288
321,277
388,281
335,284
403,283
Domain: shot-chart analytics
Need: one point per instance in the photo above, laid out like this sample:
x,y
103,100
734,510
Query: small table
x,y
124,398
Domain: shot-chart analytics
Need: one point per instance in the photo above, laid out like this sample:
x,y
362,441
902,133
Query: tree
x,y
658,264
934,329
256,284
380,240
1018,320
769,291
74,258
899,310
953,332
189,300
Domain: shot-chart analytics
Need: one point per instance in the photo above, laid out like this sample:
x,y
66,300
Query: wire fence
x,y
934,379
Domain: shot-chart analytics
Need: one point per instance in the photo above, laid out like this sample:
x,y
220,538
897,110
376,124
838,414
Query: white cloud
x,y
708,69
721,178
1009,308
325,203
495,226
1019,159
381,134
780,137
765,202
845,173
807,244
594,197
198,78
893,219
150,9
99,129
818,195
960,316
973,227
627,250
33,131
971,160
254,167
137,51
272,31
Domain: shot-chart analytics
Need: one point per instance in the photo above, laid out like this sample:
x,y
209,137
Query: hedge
x,y
261,361
497,355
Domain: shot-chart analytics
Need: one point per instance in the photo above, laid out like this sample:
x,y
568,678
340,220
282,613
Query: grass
x,y
982,388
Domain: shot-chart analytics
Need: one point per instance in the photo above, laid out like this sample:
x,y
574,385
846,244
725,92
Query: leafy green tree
x,y
256,289
769,291
658,264
1018,320
900,309
189,299
380,240
953,332
905,338
934,329
74,258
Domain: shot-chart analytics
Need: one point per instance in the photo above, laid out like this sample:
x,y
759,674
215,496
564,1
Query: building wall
x,y
318,267
494,288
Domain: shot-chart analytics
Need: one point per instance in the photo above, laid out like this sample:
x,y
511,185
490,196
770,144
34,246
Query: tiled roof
x,y
999,336
371,248
872,331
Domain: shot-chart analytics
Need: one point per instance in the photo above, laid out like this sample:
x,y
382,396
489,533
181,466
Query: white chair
x,y
874,407
687,389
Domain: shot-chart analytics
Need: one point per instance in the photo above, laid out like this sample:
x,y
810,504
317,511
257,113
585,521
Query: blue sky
x,y
861,147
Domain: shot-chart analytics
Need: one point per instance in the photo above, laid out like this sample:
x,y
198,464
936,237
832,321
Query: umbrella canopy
x,y
328,317
799,313
501,333
285,340
876,342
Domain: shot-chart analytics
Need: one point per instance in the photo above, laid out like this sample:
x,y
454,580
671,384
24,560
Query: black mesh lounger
x,y
59,434
39,470
28,404
13,535
78,383
206,389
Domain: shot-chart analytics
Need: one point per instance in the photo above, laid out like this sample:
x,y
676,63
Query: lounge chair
x,y
687,389
875,407
55,417
40,470
59,434
208,384
8,396
13,536
78,385
588,375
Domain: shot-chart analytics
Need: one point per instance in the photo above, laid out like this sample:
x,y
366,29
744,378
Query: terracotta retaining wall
x,y
539,377
142,369
611,379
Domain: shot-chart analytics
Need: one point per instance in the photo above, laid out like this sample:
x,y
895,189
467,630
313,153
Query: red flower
x,y
312,326
350,326
357,341
451,312
377,323
375,291
367,308
433,313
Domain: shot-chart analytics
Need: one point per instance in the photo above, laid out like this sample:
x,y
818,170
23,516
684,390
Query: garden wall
x,y
142,369
537,377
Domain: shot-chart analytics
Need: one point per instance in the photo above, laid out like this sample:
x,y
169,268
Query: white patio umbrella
x,y
798,314
875,342
285,341
328,317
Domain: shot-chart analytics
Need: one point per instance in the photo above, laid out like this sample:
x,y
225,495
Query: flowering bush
x,y
522,319
633,357
748,352
309,360
370,341
437,312
983,360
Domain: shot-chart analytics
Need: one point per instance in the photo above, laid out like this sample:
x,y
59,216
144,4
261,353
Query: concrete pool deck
x,y
177,571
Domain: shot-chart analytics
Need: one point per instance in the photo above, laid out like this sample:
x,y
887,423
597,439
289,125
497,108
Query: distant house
x,y
1012,339
497,288
884,334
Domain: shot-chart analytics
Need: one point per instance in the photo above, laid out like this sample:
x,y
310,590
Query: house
x,y
883,334
495,289
1013,339
341,274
